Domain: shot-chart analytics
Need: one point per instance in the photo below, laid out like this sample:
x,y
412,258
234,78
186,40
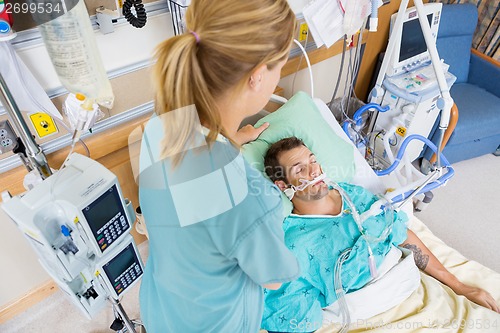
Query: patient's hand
x,y
478,296
248,133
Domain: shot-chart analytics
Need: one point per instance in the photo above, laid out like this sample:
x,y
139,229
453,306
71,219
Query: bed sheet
x,y
433,306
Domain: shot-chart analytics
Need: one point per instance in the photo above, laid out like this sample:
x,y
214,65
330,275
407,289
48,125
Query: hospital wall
x,y
125,48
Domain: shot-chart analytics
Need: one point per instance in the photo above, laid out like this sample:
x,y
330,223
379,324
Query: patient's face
x,y
300,163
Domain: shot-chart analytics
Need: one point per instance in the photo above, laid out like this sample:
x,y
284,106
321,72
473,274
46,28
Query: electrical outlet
x,y
303,31
8,139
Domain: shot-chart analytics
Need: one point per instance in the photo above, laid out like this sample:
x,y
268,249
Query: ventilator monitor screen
x,y
412,40
106,218
410,50
123,269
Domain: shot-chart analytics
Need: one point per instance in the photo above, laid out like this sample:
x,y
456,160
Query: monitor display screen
x,y
412,39
123,269
102,210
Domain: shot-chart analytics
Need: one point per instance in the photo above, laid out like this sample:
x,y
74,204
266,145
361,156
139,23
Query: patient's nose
x,y
315,171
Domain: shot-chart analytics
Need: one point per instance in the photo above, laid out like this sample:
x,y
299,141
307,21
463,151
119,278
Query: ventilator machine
x,y
411,92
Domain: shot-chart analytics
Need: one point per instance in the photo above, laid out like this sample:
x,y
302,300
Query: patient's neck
x,y
330,204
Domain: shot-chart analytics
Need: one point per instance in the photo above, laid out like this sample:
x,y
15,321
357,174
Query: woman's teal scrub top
x,y
215,237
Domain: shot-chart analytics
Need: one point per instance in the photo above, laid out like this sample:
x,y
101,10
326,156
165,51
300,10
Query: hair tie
x,y
196,36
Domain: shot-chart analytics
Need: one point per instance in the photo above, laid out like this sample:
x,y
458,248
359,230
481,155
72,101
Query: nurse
x,y
214,223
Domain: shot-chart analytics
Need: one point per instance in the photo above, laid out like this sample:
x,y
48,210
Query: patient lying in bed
x,y
313,233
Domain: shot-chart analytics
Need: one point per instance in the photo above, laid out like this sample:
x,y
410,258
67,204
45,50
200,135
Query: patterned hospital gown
x,y
317,241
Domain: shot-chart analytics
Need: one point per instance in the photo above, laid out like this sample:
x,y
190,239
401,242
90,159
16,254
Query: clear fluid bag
x,y
72,48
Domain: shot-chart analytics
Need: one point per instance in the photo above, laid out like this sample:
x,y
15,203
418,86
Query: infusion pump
x,y
78,223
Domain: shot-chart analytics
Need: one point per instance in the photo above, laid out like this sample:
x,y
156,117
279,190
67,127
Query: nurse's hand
x,y
249,133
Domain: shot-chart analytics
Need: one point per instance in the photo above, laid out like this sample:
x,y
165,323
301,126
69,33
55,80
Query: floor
x,y
465,213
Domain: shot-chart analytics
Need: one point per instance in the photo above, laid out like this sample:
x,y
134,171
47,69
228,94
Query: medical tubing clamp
x,y
428,187
356,118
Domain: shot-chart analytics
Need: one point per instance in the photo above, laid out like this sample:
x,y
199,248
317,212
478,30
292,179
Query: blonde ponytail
x,y
228,39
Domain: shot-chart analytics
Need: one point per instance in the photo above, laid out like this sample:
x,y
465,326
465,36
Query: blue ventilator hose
x,y
357,115
438,182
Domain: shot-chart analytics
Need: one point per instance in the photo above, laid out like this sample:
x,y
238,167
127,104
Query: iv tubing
x,y
340,75
308,65
35,154
339,290
35,101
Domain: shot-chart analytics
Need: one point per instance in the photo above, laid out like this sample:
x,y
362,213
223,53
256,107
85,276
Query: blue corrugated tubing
x,y
357,115
438,182
366,107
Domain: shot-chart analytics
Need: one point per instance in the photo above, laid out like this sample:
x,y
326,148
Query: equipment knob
x,y
4,27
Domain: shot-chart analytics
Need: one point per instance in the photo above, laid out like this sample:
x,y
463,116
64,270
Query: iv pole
x,y
445,102
32,154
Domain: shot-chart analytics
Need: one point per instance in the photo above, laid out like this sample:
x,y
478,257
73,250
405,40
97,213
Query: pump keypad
x,y
127,278
111,231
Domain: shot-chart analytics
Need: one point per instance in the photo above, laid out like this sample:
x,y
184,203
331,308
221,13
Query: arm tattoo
x,y
421,260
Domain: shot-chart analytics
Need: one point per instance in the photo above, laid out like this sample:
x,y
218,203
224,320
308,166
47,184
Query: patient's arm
x,y
427,262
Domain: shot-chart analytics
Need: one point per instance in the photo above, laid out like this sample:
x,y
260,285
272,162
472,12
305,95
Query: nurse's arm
x,y
272,286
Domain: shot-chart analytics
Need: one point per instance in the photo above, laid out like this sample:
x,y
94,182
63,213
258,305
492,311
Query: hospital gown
x,y
317,241
212,245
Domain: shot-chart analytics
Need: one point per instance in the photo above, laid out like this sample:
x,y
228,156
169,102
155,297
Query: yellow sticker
x,y
43,124
303,29
401,131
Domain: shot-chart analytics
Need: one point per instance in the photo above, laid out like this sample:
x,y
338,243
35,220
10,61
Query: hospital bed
x,y
432,305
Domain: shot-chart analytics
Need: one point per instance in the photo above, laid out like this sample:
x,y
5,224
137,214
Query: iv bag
x,y
355,13
72,48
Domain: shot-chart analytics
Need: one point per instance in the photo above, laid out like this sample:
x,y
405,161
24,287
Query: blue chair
x,y
476,91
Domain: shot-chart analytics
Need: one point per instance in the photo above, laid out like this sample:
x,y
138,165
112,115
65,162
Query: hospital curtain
x,y
487,36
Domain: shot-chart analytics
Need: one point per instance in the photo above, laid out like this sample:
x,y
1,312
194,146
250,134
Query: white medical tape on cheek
x,y
290,192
